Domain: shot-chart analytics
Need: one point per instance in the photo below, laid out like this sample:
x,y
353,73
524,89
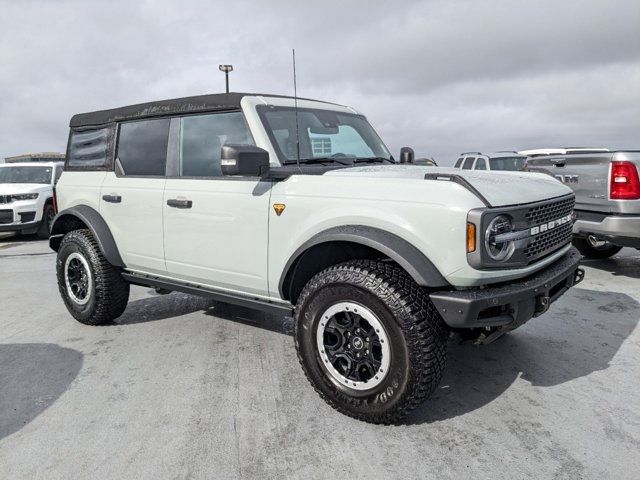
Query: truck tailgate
x,y
588,177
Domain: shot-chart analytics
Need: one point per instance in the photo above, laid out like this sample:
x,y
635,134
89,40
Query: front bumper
x,y
21,215
513,303
623,230
18,227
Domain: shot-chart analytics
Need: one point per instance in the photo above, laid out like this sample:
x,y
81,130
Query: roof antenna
x,y
295,99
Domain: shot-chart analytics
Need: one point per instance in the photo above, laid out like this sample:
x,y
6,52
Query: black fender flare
x,y
412,260
94,221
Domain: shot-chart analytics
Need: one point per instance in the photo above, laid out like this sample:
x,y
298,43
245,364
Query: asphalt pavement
x,y
186,388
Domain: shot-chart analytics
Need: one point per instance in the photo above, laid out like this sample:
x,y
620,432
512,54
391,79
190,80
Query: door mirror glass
x,y
407,155
246,160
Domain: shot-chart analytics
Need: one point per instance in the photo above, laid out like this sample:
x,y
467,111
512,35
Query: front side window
x,y
321,134
202,138
481,164
458,163
507,163
25,175
468,163
142,147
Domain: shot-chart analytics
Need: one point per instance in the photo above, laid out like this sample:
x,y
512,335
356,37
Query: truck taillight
x,y
625,184
55,201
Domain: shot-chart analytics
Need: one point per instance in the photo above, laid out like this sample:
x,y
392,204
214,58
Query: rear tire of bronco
x,y
93,290
595,253
369,340
44,230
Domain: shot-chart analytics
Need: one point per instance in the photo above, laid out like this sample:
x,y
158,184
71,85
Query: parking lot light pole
x,y
226,69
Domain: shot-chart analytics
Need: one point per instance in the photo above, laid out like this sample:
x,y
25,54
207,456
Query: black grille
x,y
550,211
4,199
544,243
548,241
6,216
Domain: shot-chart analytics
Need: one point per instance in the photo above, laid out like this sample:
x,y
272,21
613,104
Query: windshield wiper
x,y
310,161
372,160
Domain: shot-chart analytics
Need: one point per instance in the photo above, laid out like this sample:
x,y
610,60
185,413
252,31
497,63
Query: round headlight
x,y
499,251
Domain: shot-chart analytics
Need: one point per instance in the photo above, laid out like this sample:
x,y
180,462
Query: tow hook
x,y
579,276
542,304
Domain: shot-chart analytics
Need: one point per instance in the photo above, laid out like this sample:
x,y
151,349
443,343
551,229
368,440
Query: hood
x,y
13,188
499,188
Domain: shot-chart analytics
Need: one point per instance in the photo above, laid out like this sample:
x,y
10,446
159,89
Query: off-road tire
x,y
595,253
417,337
109,294
44,230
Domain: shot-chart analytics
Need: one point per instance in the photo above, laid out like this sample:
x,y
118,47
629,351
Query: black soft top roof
x,y
199,103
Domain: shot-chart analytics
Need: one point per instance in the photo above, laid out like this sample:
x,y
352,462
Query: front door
x,y
215,227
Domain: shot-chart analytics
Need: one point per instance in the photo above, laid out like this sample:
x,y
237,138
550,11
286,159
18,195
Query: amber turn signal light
x,y
471,237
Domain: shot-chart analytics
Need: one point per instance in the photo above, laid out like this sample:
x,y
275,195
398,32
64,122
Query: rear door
x,y
131,197
215,227
586,174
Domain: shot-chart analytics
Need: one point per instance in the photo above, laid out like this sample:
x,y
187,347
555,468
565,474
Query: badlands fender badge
x,y
550,225
279,208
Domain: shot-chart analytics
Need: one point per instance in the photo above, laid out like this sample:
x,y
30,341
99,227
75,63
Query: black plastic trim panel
x,y
402,252
204,291
98,226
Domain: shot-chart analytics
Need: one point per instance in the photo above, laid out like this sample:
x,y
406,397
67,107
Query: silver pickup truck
x,y
607,188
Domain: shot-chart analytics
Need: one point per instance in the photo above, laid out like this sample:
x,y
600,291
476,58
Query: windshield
x,y
507,163
25,174
324,134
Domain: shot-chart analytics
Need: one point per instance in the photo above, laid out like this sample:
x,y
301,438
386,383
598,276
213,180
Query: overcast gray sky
x,y
440,76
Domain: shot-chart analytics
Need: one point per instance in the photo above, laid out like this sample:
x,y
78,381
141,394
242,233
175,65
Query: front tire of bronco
x,y
93,290
595,252
369,340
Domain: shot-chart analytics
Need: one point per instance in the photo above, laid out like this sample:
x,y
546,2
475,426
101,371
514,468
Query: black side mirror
x,y
247,160
407,155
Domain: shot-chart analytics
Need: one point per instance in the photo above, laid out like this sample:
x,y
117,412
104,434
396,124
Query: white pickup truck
x,y
297,206
26,196
607,188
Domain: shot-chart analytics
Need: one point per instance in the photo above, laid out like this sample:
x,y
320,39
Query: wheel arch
x,y
83,216
340,244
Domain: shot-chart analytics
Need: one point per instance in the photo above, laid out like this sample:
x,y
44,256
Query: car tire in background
x,y
595,252
93,290
369,340
48,214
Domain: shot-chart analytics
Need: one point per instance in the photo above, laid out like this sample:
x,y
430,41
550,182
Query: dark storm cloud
x,y
443,77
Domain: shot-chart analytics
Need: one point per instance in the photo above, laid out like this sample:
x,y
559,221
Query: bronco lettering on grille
x,y
549,225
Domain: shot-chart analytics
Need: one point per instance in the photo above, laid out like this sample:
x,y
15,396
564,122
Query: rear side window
x,y
458,163
202,138
88,148
142,147
481,164
468,163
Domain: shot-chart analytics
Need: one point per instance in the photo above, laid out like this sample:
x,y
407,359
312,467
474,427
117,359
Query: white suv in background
x,y
506,161
26,196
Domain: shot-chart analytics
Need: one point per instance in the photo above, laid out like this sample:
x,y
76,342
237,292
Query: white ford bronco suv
x,y
296,206
26,197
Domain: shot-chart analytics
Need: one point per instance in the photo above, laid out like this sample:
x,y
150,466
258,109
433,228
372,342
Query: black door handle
x,y
174,202
112,198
